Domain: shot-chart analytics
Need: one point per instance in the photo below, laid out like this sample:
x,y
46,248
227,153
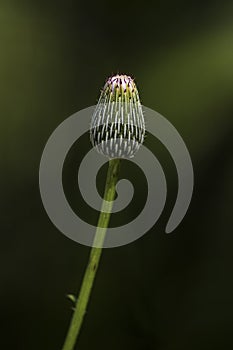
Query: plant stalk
x,y
95,254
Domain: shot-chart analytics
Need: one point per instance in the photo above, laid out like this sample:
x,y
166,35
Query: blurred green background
x,y
162,292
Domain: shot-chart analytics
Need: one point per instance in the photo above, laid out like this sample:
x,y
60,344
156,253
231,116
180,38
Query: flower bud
x,y
117,126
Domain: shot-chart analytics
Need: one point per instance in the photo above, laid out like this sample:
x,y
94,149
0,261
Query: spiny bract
x,y
117,125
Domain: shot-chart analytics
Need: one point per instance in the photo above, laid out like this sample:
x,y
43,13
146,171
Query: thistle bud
x,y
117,125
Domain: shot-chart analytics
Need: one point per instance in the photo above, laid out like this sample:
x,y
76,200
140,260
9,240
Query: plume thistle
x,y
117,127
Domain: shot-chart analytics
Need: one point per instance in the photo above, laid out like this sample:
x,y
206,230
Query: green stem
x,y
89,276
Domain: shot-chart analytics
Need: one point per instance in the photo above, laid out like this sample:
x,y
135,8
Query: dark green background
x,y
162,292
